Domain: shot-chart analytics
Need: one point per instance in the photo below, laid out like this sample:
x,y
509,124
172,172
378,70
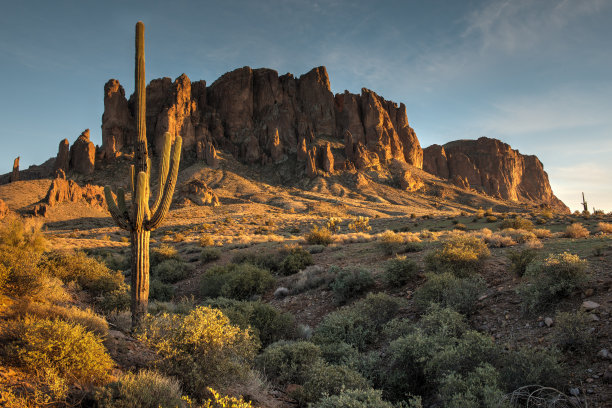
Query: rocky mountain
x,y
261,117
492,167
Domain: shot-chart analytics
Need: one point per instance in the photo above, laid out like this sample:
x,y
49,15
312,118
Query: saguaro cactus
x,y
140,219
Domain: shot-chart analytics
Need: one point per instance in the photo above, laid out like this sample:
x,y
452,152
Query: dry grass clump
x,y
206,240
319,235
519,235
542,233
576,230
604,227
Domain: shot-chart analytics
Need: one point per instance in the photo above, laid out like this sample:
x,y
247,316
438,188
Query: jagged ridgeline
x,y
262,118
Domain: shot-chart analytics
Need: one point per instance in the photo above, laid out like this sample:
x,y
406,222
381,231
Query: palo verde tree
x,y
140,218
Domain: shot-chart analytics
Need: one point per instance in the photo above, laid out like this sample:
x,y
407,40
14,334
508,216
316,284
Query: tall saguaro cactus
x,y
140,219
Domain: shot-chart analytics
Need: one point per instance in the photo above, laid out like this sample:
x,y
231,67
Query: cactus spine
x,y
141,219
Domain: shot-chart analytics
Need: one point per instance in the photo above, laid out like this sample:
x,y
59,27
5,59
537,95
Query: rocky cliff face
x,y
493,167
261,117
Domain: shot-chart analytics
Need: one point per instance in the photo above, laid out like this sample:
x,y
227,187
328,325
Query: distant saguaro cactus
x,y
141,219
584,204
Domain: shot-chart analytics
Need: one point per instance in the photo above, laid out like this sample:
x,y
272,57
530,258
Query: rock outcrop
x,y
198,193
494,168
82,154
62,160
15,173
263,118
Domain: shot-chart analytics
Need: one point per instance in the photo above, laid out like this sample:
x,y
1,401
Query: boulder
x,y
198,193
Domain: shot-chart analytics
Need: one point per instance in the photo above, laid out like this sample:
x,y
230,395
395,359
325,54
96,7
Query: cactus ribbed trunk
x,y
140,275
140,220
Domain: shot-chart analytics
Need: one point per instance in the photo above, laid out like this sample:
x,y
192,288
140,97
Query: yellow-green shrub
x,y
321,236
59,354
576,230
462,256
201,348
145,389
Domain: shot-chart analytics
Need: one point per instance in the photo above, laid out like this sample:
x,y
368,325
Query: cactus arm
x,y
140,208
168,187
119,218
164,166
121,203
132,179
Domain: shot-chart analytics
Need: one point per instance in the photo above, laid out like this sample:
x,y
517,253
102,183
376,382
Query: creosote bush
x,y
517,223
463,256
145,389
297,258
209,255
288,362
162,253
350,283
171,271
460,294
233,281
520,260
319,235
557,277
266,322
400,270
328,379
576,230
201,348
572,331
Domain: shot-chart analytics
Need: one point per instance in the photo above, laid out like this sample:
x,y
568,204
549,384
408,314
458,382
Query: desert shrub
x,y
542,233
572,331
366,398
209,255
288,362
226,401
479,213
340,354
391,242
23,234
171,270
163,253
462,256
296,260
114,261
604,227
206,240
557,277
201,348
145,389
161,291
400,270
478,388
459,226
320,236
59,354
359,324
448,290
316,249
90,274
350,283
117,300
576,230
491,218
327,379
520,260
267,322
235,281
528,366
517,223
262,260
310,278
72,314
360,224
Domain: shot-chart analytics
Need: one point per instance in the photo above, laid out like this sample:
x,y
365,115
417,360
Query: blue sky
x,y
535,74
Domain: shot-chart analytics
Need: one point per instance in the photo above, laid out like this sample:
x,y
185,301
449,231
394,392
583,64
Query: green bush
x,y
517,223
171,271
59,354
146,389
296,260
117,300
161,291
233,281
163,253
288,362
557,277
520,260
350,283
400,270
319,236
478,388
263,260
268,323
531,365
572,331
209,254
201,348
326,379
358,325
365,398
340,354
90,274
447,290
463,256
